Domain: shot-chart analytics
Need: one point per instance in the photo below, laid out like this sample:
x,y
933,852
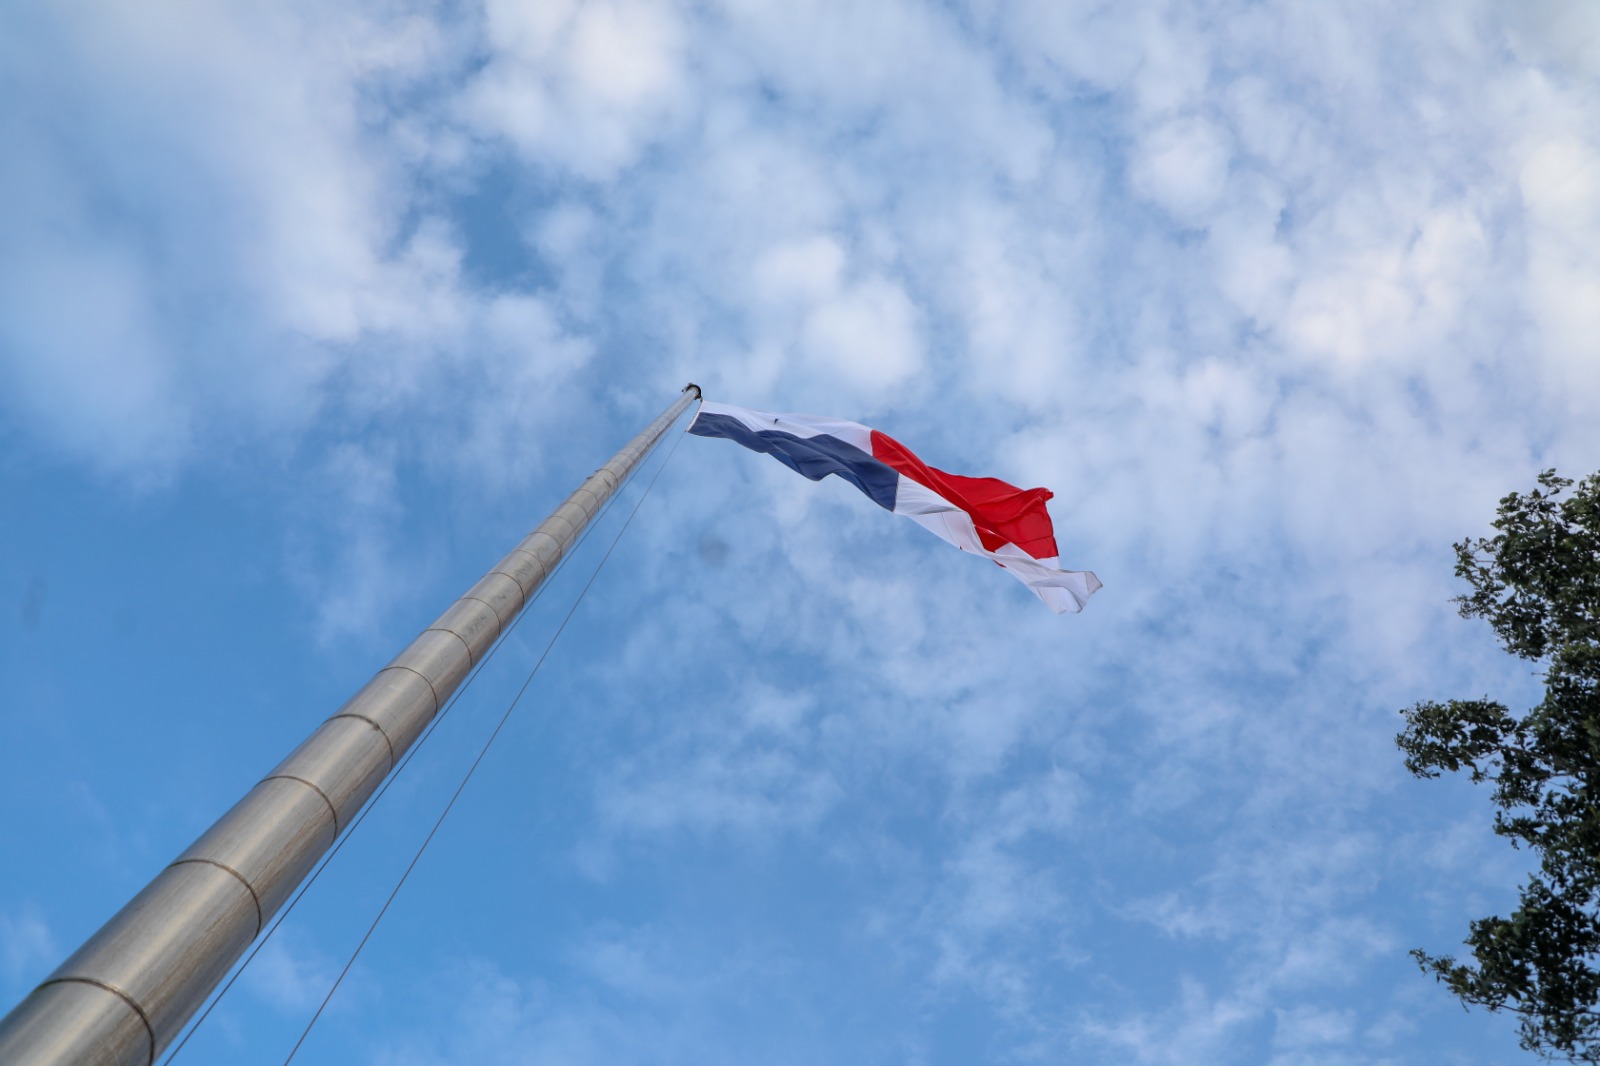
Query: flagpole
x,y
121,998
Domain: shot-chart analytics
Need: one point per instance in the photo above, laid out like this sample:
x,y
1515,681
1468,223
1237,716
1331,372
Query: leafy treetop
x,y
1537,582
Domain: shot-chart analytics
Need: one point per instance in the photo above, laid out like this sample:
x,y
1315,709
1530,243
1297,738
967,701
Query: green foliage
x,y
1537,582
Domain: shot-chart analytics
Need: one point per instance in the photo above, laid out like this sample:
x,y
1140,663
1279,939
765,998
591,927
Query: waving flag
x,y
981,515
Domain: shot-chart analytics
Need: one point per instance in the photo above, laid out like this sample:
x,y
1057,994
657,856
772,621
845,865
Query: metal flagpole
x,y
122,997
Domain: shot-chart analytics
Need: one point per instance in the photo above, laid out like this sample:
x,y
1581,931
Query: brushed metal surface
x,y
170,945
502,594
71,1022
122,997
525,568
345,760
542,546
441,657
398,701
559,530
475,623
574,514
589,498
271,838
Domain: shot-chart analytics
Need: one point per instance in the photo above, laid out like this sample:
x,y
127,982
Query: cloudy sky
x,y
309,311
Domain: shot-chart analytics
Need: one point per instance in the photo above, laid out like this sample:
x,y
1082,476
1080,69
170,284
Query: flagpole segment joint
x,y
76,1020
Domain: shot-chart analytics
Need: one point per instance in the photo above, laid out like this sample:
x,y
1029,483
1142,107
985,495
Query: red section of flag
x,y
1002,513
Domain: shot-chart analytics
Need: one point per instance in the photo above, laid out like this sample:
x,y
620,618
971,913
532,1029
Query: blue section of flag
x,y
815,457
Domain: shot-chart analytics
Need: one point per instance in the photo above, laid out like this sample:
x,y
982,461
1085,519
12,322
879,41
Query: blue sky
x,y
309,312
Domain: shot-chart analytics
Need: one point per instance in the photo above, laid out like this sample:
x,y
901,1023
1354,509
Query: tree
x,y
1537,582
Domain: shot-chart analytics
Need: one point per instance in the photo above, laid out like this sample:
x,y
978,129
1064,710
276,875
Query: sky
x,y
310,311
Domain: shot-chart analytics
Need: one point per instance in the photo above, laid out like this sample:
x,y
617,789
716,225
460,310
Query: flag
x,y
981,515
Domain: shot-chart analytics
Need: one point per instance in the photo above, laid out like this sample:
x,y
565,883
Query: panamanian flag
x,y
981,515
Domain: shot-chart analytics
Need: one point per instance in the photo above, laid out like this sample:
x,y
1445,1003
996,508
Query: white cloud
x,y
290,975
1182,166
1560,186
1253,264
866,336
1310,1030
1557,34
584,87
861,331
1197,1029
27,950
741,770
84,360
350,578
226,192
253,244
1089,41
625,994
807,270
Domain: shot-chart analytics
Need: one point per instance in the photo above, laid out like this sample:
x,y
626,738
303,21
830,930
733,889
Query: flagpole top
x,y
697,393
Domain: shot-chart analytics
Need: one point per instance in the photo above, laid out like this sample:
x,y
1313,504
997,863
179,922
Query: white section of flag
x,y
1063,591
852,433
